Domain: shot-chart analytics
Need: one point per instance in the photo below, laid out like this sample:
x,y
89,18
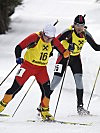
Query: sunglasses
x,y
79,25
49,38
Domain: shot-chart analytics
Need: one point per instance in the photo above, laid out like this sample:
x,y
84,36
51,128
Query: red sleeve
x,y
58,45
28,40
58,36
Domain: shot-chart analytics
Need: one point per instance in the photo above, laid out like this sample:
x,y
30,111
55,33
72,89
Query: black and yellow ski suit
x,y
67,37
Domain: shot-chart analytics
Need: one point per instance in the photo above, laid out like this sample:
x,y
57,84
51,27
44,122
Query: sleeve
x,y
65,35
18,51
22,45
91,41
28,40
58,45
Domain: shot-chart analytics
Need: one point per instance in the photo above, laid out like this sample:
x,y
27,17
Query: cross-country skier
x,y
39,46
74,37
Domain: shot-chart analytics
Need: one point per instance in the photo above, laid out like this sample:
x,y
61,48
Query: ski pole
x,y
61,85
8,74
93,87
23,98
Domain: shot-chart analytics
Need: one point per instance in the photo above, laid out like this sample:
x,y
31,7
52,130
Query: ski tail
x,y
62,122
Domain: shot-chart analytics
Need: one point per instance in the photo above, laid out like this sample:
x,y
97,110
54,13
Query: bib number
x,y
58,68
43,56
20,72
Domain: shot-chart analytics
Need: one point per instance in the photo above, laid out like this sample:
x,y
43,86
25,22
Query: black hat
x,y
79,19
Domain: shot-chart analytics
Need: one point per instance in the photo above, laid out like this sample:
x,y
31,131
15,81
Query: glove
x,y
71,47
66,54
19,60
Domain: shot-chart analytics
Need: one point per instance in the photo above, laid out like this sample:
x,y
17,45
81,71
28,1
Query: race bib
x,y
58,68
20,72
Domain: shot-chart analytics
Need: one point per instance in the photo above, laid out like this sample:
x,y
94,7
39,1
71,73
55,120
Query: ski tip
x,y
31,121
4,115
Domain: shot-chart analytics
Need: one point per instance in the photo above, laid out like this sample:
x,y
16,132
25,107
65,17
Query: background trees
x,y
7,8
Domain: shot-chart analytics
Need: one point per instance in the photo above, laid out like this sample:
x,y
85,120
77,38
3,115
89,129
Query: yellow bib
x,y
39,55
78,44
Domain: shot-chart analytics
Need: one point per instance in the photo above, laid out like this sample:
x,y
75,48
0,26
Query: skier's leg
x,y
58,73
76,67
19,81
43,80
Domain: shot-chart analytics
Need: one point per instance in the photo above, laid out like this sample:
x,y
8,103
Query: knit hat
x,y
79,19
49,30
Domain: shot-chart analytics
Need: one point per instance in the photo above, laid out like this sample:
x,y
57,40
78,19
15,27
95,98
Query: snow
x,y
31,17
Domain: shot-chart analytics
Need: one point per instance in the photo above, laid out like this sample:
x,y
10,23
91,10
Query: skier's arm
x,y
28,40
24,44
65,35
91,41
18,51
60,48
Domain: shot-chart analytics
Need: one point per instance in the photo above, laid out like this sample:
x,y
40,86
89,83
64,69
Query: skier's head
x,y
49,32
79,23
79,20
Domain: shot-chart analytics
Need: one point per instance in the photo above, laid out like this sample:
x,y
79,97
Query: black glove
x,y
19,60
71,47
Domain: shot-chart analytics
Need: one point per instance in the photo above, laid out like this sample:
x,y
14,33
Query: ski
x,y
62,122
90,115
4,115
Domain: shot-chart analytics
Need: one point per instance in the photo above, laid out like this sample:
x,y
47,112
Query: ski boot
x,y
81,111
39,111
46,116
39,108
2,106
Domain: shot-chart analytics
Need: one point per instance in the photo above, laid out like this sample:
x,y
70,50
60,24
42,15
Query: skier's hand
x,y
71,47
19,60
66,54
